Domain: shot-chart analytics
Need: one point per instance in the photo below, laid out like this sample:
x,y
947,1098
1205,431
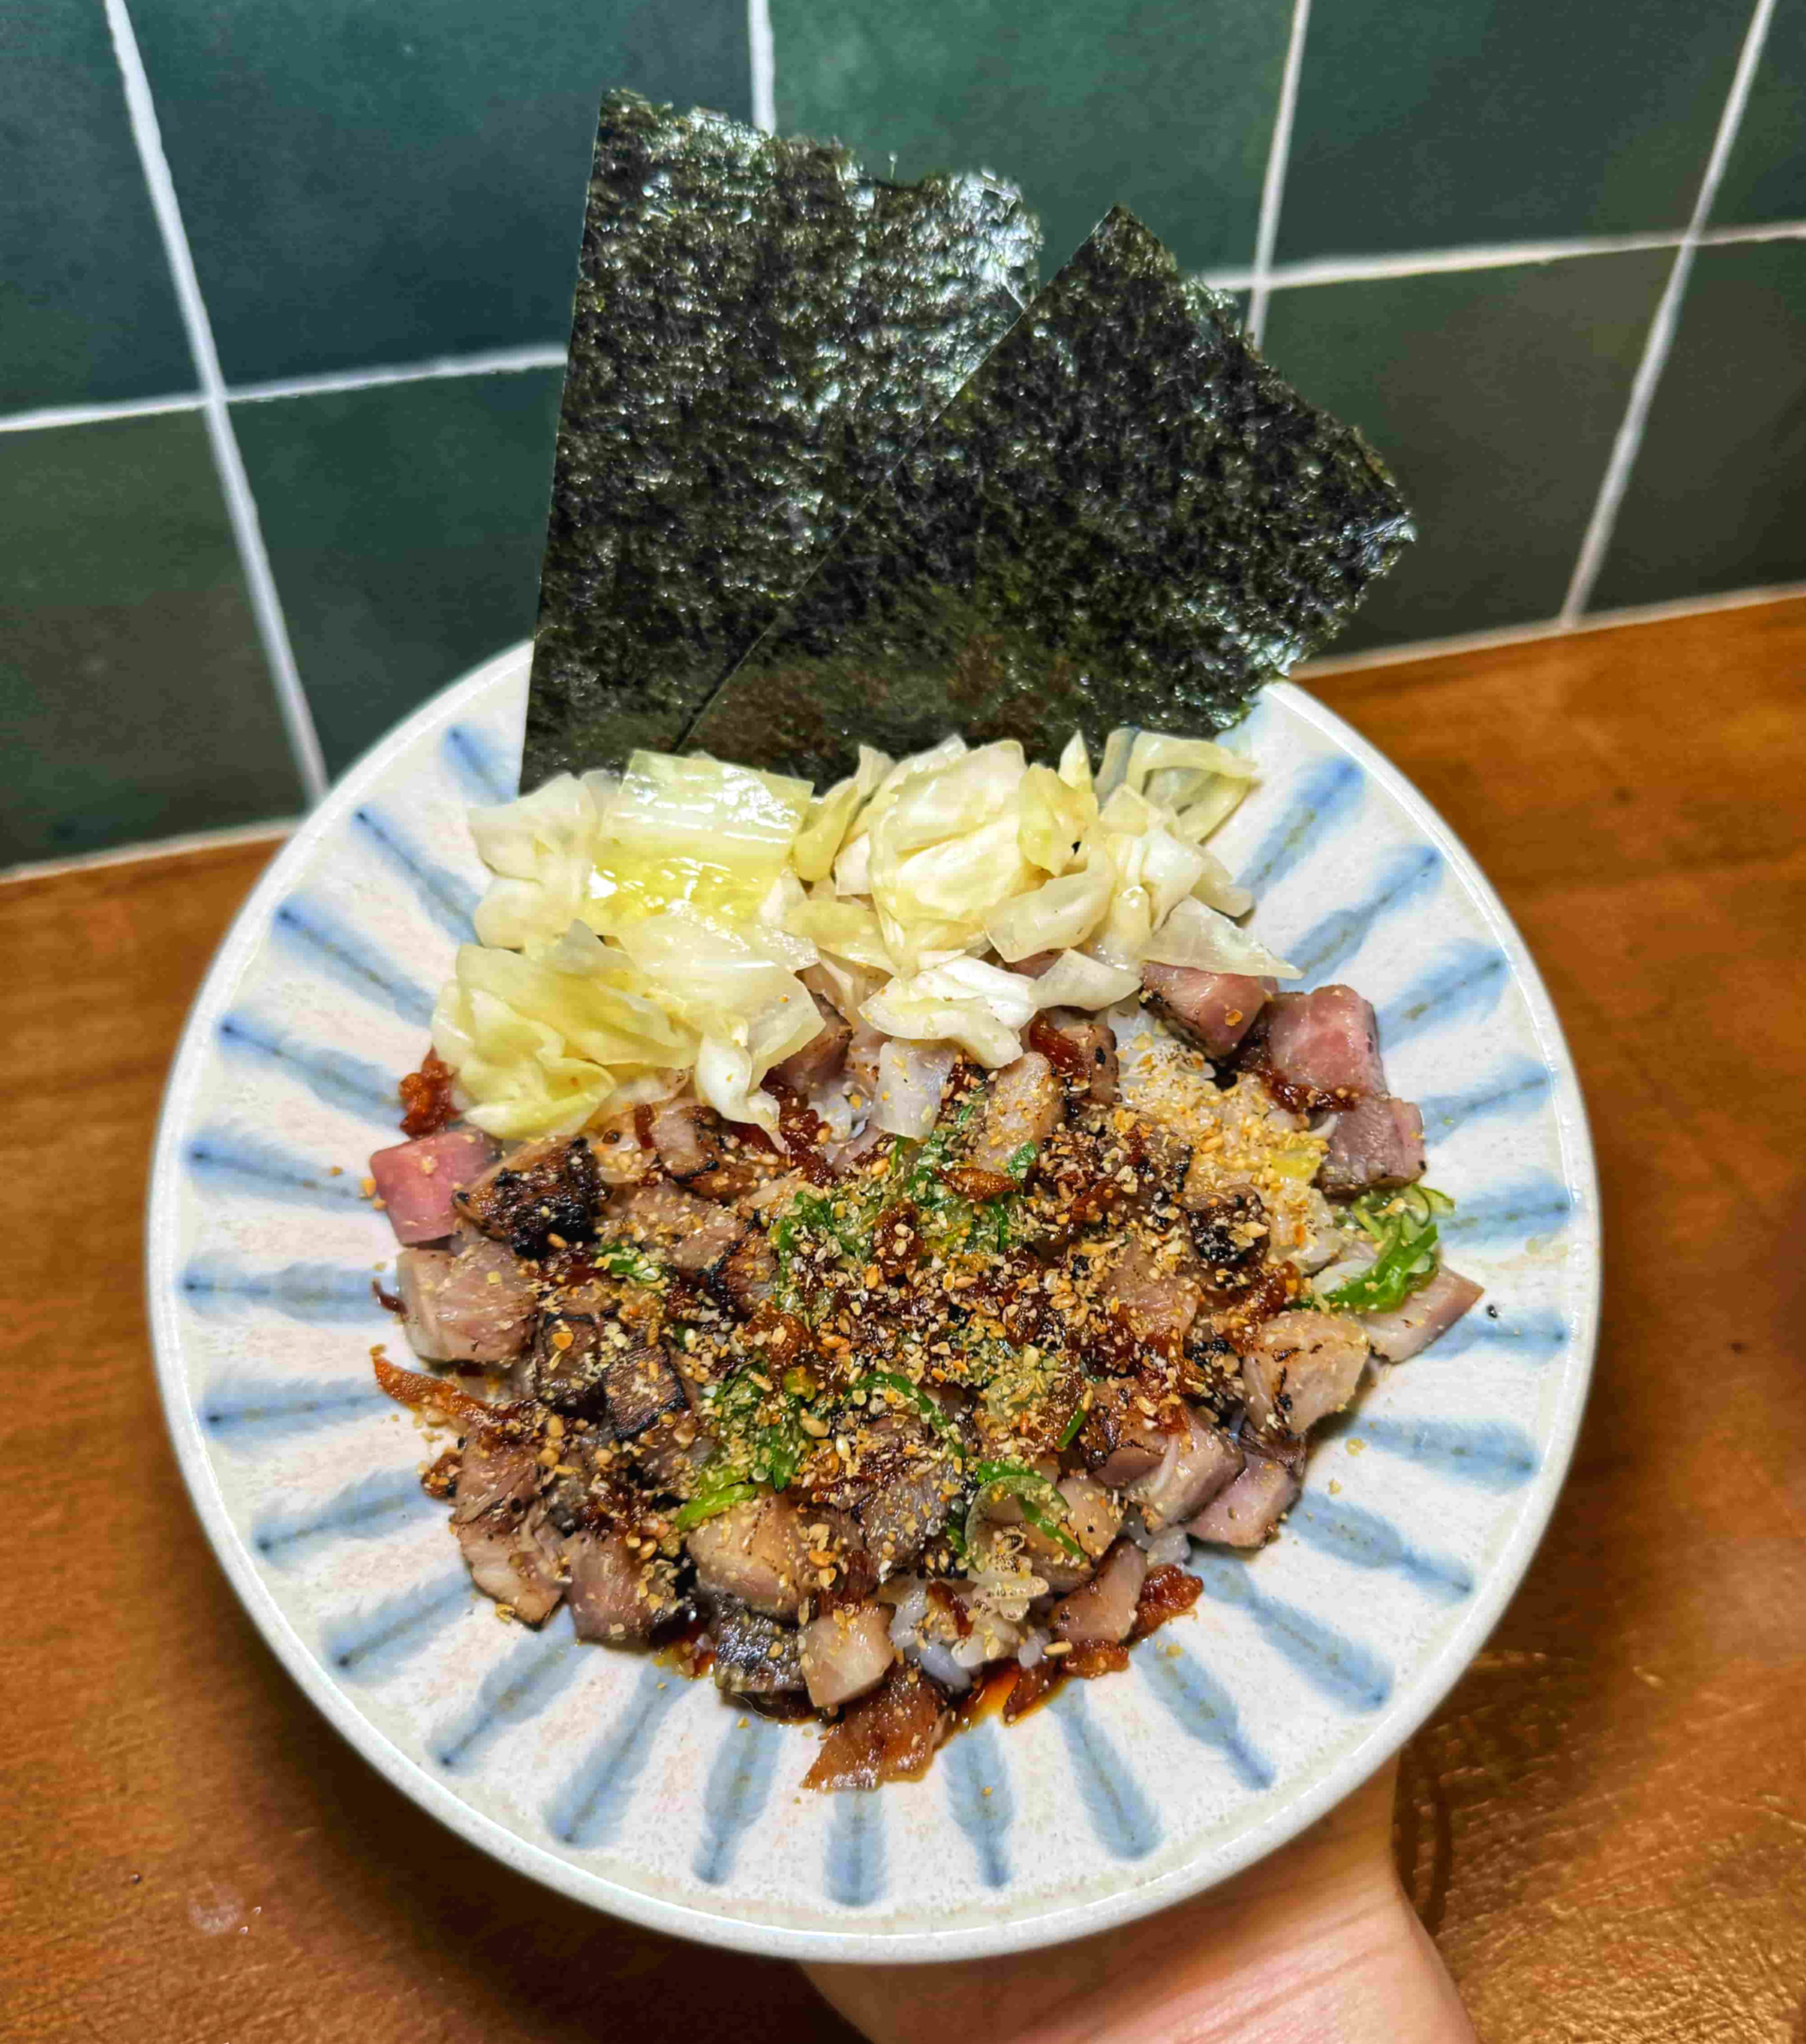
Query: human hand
x,y
1316,1944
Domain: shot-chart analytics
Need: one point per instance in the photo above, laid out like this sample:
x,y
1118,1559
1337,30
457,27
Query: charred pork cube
x,y
754,1655
1229,1232
1213,1011
545,1188
640,1385
570,1362
674,1226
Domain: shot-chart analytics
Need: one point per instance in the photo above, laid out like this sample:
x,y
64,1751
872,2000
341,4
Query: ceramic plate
x,y
614,1780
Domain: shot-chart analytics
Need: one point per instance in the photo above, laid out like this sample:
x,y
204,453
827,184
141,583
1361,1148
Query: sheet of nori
x,y
758,331
1125,516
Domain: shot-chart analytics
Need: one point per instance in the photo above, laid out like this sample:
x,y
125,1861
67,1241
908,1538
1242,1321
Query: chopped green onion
x,y
914,1395
1070,1432
711,1503
623,1260
1404,1225
1026,1486
1017,1166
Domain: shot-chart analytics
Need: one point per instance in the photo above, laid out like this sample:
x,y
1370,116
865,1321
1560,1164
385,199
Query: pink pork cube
x,y
1215,1010
415,1181
1326,1041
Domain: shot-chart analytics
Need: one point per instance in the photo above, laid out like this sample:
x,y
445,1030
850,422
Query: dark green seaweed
x,y
1125,516
760,330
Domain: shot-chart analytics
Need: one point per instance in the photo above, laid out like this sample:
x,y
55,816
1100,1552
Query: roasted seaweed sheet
x,y
760,330
1125,517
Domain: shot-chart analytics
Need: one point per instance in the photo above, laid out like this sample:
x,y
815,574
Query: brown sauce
x,y
426,1097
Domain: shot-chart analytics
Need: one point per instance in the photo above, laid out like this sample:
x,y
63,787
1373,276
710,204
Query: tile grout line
x,y
506,361
762,56
498,361
1660,341
47,418
1328,669
234,484
1491,255
1272,185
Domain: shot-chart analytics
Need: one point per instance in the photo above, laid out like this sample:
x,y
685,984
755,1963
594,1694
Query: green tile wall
x,y
1717,498
87,310
133,702
1429,124
1165,108
373,185
366,181
405,525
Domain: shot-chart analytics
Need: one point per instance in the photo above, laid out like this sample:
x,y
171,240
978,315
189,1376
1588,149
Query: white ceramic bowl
x,y
610,1777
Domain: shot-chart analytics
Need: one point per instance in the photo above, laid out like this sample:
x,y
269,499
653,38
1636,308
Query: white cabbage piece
x,y
734,986
911,1079
978,1006
1055,916
694,803
846,930
831,816
1152,752
1219,801
542,1043
541,848
1215,889
1195,935
1076,980
1053,818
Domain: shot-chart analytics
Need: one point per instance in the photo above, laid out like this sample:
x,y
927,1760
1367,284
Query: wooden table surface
x,y
1605,1824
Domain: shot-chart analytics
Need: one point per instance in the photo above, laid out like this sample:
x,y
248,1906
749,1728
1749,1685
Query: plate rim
x,y
1401,1717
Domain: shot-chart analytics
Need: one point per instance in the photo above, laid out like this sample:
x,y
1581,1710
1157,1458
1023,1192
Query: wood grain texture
x,y
1605,1825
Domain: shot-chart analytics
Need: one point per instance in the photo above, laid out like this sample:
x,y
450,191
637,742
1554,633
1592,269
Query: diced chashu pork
x,y
1091,1517
1302,1366
1245,1512
907,1490
1102,1610
1024,1106
1200,1460
672,1226
846,1652
757,1552
686,1138
1326,1042
617,1594
1091,1052
415,1181
823,1056
1378,1143
1119,1442
1214,1010
1159,1288
1425,1314
508,1543
472,1305
747,1274
755,1655
543,1189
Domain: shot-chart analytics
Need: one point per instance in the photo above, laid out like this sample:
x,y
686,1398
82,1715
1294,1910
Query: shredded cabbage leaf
x,y
646,932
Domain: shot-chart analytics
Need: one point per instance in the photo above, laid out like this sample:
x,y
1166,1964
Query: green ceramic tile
x,y
385,183
1495,397
87,312
1718,498
1423,125
134,701
1164,107
1766,178
405,525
